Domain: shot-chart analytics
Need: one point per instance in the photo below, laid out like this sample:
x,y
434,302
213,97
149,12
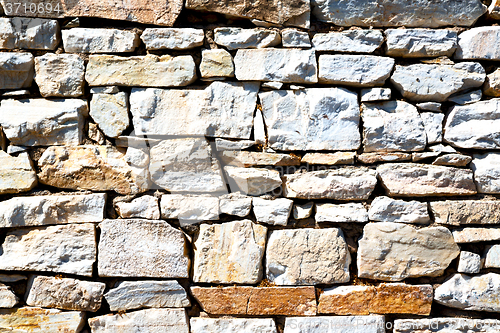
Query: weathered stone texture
x,y
391,251
189,207
172,38
28,33
486,172
350,212
492,84
60,75
16,173
252,181
65,293
386,209
375,94
352,41
241,325
62,249
235,204
316,256
250,158
216,63
413,43
457,212
475,235
479,43
295,38
237,38
85,40
274,212
7,298
38,320
16,70
470,262
336,158
145,207
142,248
110,112
284,301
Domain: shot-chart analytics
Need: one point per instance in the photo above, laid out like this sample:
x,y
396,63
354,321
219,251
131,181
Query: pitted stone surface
x,y
60,75
7,298
350,212
85,40
457,212
414,43
110,112
479,43
352,41
385,209
273,212
351,324
145,207
237,38
172,38
443,325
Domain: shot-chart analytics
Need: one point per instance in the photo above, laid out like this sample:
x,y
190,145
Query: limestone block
x,y
336,158
350,212
443,325
7,298
385,209
350,324
216,63
189,207
145,207
46,320
92,40
470,262
479,43
486,172
295,38
475,235
235,204
110,112
232,325
492,258
60,75
252,181
16,70
238,38
375,94
251,158
273,212
415,43
457,212
172,38
492,84
28,33
351,41
433,123
16,173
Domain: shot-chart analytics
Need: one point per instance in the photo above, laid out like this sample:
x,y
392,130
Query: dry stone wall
x,y
324,166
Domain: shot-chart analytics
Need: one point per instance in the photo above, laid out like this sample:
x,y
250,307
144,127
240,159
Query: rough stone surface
x,y
395,251
303,211
52,209
63,249
375,94
443,325
235,204
312,119
274,212
385,209
272,11
352,41
172,38
41,122
457,212
418,180
149,320
252,181
110,112
492,84
348,324
16,70
189,207
371,158
392,126
486,172
250,158
98,168
470,262
145,207
350,212
60,75
479,43
142,248
160,12
28,33
241,325
7,298
475,235
476,293
349,183
129,295
466,98
224,144
64,293
474,126
223,109
186,165
238,38
457,160
216,63
295,38
383,299
316,256
413,43
229,253
336,158
429,82
287,301
433,123
282,65
85,40
429,106
39,320
140,71
16,173
398,13
354,70
492,257
494,10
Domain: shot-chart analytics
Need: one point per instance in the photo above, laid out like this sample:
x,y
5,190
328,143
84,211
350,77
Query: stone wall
x,y
244,167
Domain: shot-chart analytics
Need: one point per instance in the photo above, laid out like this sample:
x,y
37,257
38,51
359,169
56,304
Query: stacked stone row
x,y
216,190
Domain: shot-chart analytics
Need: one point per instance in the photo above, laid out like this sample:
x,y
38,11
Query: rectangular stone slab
x,y
39,320
28,33
474,235
457,212
266,301
52,209
16,70
62,249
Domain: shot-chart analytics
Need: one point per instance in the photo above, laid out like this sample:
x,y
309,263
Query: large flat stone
x,y
186,165
92,40
229,253
354,70
271,11
28,33
420,180
457,212
479,43
312,119
316,256
261,301
392,126
189,207
435,83
142,248
16,70
149,320
38,320
443,325
386,13
348,324
140,71
486,172
223,109
475,235
67,249
385,209
474,126
475,293
230,325
97,168
414,43
352,41
238,38
350,212
41,122
65,293
273,212
348,183
172,38
129,295
52,209
282,65
16,173
391,251
60,75
252,181
385,298
159,12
